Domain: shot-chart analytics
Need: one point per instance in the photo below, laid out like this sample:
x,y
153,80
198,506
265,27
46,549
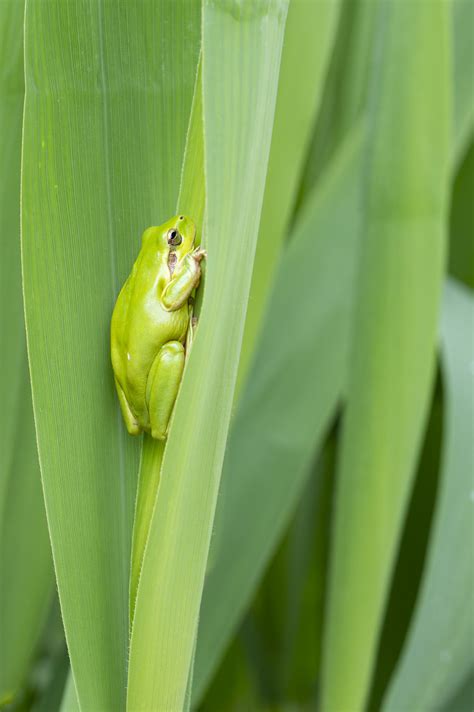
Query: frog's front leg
x,y
163,385
185,278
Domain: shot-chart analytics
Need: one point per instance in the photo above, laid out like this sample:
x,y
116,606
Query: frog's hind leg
x,y
130,421
163,385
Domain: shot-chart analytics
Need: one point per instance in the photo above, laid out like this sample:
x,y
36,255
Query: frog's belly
x,y
140,344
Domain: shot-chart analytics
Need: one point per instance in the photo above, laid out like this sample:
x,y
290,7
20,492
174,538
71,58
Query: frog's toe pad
x,y
133,427
158,434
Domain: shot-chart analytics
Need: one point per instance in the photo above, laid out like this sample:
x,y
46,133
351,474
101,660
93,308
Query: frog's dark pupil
x,y
174,238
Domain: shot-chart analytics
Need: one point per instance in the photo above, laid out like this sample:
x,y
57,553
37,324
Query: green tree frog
x,y
149,325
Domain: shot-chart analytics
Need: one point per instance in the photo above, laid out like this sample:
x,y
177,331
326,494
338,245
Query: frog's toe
x,y
131,422
133,427
158,434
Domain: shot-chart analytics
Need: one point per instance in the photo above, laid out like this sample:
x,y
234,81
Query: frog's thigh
x,y
130,420
162,387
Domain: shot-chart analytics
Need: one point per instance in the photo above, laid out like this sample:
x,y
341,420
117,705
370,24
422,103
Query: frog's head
x,y
179,233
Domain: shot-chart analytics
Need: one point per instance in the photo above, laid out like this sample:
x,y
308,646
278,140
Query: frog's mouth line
x,y
172,260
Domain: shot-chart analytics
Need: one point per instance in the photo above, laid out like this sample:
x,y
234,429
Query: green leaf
x,y
394,327
309,36
438,654
25,554
463,51
412,550
234,683
282,417
462,699
287,612
190,202
241,49
345,91
25,557
240,554
109,90
461,247
69,702
52,694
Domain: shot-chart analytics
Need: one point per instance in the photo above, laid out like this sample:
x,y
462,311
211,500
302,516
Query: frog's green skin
x,y
149,325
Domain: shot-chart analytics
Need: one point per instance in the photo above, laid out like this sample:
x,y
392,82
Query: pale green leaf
x,y
394,327
69,702
309,36
297,380
109,90
286,616
230,587
345,92
439,653
461,246
190,202
463,61
463,698
25,559
241,48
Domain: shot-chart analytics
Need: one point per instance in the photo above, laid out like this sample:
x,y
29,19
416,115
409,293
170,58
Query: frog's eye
x,y
174,237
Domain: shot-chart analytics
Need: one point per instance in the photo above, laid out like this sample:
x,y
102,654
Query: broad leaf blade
x,y
109,90
241,56
393,352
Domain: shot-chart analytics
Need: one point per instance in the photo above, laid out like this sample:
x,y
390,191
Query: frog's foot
x,y
192,324
199,254
131,422
163,385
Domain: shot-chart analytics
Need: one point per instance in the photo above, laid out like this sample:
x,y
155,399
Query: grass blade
x,y
69,702
309,36
463,120
239,552
462,699
393,353
190,202
241,56
345,91
109,89
25,556
438,655
293,591
280,419
461,244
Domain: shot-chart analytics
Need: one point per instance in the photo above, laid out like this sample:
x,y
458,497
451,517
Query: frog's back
x,y
140,327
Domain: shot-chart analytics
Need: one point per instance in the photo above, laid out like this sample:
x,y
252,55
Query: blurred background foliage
x,y
341,569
